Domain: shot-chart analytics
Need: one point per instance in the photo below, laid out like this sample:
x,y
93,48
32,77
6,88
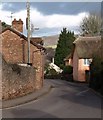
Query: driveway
x,y
64,101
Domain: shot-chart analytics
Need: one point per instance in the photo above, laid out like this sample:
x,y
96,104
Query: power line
x,y
11,16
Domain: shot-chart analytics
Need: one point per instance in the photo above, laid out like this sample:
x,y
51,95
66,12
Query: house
x,y
81,57
15,49
68,60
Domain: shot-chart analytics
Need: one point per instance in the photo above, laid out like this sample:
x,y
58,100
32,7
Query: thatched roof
x,y
88,46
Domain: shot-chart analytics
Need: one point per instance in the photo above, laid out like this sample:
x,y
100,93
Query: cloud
x,y
53,21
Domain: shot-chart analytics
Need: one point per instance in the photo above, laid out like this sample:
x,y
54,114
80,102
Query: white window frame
x,y
86,62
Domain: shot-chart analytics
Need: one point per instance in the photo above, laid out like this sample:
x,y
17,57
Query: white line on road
x,y
81,93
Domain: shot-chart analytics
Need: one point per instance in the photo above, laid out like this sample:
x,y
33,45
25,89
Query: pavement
x,y
28,98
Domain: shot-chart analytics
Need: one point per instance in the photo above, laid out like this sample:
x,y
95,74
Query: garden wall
x,y
17,80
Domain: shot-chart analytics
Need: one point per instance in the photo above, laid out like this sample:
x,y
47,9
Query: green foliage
x,y
67,73
96,70
51,74
64,47
4,25
68,70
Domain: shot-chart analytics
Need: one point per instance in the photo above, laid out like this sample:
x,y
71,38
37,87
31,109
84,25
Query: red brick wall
x,y
36,58
14,50
12,47
18,25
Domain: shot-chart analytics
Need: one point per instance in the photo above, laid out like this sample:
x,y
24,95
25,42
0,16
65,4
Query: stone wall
x,y
17,80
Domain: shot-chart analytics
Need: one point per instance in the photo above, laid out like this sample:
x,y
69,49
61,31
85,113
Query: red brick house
x,y
81,56
15,49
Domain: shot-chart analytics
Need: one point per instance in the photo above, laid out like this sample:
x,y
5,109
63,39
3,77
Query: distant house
x,y
15,49
81,56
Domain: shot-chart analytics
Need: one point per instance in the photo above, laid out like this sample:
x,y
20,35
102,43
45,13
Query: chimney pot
x,y
18,25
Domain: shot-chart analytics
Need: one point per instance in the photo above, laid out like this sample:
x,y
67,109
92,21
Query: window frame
x,y
86,62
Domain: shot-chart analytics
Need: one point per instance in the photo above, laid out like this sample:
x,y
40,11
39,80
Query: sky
x,y
50,17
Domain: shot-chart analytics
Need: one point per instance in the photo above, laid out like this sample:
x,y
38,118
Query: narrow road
x,y
63,101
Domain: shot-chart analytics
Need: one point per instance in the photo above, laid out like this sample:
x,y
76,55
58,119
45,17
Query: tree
x,y
4,25
64,47
91,24
96,74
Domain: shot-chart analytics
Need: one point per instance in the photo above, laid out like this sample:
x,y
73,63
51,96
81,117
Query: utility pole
x,y
28,30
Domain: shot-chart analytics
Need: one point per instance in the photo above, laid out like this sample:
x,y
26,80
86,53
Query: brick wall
x,y
18,25
12,47
37,60
15,50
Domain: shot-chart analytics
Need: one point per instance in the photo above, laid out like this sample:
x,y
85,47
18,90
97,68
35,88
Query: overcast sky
x,y
50,18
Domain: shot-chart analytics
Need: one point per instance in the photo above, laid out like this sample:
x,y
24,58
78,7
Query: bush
x,y
68,70
51,74
96,70
67,73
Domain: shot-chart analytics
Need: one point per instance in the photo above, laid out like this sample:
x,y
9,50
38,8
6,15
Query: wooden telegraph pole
x,y
28,30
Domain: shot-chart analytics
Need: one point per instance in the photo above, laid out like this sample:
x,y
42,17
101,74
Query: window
x,y
86,62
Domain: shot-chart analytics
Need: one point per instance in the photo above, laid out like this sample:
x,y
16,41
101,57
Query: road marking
x,y
81,93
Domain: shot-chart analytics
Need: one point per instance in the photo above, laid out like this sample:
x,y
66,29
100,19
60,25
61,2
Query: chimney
x,y
18,25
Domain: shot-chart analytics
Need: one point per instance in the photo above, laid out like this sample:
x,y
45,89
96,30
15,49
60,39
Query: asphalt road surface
x,y
63,101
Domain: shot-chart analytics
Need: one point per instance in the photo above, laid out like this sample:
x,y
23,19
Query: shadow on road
x,y
27,113
86,98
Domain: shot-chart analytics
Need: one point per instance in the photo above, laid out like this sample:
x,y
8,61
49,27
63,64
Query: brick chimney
x,y
18,25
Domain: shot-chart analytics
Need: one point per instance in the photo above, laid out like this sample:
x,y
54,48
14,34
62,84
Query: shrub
x,y
96,69
68,70
51,74
67,73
